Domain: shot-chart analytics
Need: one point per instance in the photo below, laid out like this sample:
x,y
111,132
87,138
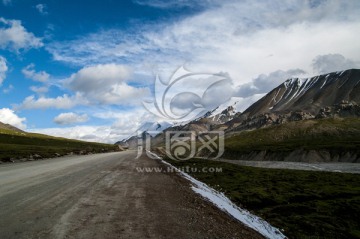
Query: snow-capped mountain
x,y
310,94
228,110
154,128
329,95
151,128
295,99
223,112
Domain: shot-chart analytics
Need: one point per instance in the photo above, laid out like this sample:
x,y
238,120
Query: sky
x,y
85,69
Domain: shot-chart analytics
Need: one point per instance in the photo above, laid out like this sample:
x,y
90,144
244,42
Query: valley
x,y
180,119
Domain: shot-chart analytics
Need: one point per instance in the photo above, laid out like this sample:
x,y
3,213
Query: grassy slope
x,y
331,134
19,145
305,204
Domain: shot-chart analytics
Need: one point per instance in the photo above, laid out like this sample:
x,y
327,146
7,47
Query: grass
x,y
17,145
320,134
305,204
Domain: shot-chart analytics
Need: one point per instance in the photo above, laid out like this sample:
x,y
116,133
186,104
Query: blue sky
x,y
82,69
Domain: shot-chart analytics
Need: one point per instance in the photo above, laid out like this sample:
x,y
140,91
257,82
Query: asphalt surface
x,y
105,196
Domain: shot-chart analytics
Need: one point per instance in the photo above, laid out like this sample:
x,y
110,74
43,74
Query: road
x,y
105,196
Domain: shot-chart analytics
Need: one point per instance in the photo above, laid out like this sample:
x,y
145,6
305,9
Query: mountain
x,y
312,119
223,112
148,128
333,95
311,140
310,94
10,127
324,96
154,128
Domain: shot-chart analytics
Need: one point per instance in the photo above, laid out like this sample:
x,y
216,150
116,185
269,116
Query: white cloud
x,y
105,84
14,36
251,40
243,38
70,118
60,102
196,90
333,62
265,83
30,73
103,133
125,124
39,89
91,78
3,69
8,89
8,116
42,8
86,133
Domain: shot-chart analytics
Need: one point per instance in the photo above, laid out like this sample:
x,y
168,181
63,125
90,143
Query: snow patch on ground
x,y
223,203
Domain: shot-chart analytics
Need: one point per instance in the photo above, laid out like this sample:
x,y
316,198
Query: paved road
x,y
104,196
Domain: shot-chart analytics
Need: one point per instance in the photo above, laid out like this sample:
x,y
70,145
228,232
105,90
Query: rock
x,y
36,156
344,109
82,152
300,115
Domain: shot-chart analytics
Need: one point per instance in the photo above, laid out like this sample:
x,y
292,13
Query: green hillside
x,y
321,134
18,145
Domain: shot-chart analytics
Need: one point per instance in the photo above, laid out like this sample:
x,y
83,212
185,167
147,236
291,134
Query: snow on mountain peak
x,y
154,128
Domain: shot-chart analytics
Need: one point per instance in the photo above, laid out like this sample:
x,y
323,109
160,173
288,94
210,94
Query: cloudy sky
x,y
82,69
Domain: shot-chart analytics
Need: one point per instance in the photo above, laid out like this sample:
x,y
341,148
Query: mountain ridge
x,y
332,95
10,127
310,94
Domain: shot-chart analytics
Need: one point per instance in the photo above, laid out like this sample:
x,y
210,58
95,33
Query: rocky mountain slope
x,y
223,112
335,94
311,94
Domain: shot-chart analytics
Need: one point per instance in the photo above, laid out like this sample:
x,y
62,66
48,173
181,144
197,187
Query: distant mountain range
x,y
333,95
295,99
